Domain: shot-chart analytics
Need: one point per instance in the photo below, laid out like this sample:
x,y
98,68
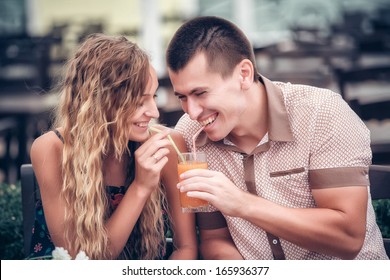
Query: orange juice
x,y
186,201
186,162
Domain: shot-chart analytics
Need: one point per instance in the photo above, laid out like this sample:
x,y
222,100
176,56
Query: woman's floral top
x,y
41,243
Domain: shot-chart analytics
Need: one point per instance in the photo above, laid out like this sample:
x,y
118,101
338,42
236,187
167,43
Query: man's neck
x,y
255,121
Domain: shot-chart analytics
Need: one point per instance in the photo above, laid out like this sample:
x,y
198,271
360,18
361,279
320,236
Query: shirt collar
x,y
279,128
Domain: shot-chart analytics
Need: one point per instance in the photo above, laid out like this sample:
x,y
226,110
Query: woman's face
x,y
146,110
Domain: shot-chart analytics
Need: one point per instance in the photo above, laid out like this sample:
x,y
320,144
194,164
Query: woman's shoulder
x,y
46,144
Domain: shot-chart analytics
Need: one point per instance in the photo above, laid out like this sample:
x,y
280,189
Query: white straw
x,y
194,139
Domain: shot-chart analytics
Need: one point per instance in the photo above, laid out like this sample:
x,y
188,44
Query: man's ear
x,y
246,73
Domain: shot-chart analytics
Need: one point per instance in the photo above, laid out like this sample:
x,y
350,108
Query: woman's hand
x,y
150,158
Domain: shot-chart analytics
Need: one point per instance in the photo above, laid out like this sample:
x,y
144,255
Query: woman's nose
x,y
152,111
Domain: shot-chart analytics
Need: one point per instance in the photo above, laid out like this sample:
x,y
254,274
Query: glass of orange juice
x,y
186,162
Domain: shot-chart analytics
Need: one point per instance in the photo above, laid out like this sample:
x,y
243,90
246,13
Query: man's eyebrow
x,y
191,92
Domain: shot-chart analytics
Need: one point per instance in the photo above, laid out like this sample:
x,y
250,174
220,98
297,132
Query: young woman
x,y
103,176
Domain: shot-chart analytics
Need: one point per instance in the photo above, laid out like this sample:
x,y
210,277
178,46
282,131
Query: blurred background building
x,y
343,45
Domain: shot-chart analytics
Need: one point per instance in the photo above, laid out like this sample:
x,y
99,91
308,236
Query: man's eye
x,y
181,97
200,93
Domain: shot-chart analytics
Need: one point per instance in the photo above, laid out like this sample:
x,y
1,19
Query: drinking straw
x,y
194,139
172,142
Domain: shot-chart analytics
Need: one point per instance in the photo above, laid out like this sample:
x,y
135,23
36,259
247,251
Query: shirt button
x,y
288,177
241,157
275,241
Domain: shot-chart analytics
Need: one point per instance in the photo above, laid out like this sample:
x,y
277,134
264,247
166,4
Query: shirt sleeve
x,y
210,220
340,151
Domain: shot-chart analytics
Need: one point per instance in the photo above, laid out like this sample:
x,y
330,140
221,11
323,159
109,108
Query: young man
x,y
288,163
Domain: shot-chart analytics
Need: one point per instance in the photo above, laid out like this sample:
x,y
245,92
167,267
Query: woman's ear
x,y
246,73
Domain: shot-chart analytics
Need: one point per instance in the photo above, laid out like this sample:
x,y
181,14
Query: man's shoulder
x,y
297,89
295,94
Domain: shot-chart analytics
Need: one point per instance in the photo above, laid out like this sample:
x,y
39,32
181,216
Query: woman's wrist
x,y
140,190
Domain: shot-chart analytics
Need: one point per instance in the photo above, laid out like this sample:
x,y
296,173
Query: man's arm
x,y
336,227
217,244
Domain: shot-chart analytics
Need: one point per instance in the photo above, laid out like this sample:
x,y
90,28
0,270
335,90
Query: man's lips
x,y
209,120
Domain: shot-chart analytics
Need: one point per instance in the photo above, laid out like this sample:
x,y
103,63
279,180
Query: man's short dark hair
x,y
223,43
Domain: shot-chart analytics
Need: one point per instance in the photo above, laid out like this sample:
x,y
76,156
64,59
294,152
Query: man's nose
x,y
193,109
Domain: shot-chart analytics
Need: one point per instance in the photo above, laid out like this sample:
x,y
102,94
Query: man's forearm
x,y
219,249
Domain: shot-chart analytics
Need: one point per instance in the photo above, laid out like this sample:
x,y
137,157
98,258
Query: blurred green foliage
x,y
11,222
382,210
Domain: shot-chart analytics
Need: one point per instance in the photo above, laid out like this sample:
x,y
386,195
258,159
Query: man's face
x,y
214,102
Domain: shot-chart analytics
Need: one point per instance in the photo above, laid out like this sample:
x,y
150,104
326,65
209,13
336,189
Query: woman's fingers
x,y
154,147
150,158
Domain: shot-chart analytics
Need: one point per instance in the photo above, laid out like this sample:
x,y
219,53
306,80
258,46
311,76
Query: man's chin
x,y
215,137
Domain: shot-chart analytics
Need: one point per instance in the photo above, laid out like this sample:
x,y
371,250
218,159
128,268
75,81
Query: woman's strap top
x,y
59,135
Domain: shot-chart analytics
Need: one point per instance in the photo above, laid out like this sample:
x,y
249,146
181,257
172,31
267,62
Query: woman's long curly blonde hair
x,y
103,83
